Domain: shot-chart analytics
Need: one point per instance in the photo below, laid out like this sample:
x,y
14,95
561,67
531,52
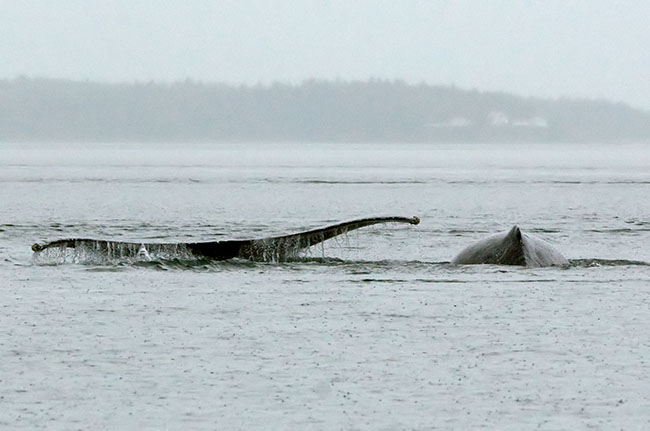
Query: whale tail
x,y
282,247
277,248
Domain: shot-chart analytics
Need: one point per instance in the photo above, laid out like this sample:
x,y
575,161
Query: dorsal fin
x,y
514,234
513,248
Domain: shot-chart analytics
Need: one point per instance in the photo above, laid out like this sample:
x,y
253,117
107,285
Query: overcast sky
x,y
551,48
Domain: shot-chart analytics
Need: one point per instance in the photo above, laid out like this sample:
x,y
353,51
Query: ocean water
x,y
372,330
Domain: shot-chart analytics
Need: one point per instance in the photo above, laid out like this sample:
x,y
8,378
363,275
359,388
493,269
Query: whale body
x,y
512,247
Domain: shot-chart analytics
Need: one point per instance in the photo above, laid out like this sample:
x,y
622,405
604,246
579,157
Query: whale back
x,y
539,253
512,247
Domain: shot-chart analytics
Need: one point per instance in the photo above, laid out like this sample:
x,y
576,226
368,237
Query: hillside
x,y
60,110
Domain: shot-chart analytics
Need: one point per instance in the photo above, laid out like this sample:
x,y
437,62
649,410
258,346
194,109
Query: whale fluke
x,y
276,248
512,247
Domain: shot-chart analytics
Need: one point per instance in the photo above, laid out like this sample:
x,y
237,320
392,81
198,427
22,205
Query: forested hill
x,y
59,110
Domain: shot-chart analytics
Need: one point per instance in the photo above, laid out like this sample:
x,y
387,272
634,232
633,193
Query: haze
x,y
592,49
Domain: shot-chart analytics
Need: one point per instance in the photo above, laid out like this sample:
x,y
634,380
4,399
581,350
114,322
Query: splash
x,y
101,252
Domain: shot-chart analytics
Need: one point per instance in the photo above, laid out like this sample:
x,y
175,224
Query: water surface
x,y
374,330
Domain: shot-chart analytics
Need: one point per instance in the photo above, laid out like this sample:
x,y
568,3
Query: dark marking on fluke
x,y
276,248
512,247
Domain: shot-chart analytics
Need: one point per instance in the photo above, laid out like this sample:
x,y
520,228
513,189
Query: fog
x,y
591,49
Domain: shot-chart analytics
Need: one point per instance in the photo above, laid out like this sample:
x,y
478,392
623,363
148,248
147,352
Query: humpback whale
x,y
512,247
277,248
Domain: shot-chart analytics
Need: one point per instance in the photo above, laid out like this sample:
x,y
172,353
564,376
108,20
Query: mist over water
x,y
371,330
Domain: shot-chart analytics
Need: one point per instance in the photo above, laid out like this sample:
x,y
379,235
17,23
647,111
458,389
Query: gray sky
x,y
588,48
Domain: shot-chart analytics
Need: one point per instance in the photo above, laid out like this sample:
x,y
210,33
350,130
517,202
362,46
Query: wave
x,y
590,263
282,179
622,230
178,258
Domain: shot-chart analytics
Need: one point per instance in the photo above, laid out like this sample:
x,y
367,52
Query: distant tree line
x,y
376,110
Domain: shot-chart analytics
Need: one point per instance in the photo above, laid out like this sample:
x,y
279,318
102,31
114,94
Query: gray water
x,y
373,330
